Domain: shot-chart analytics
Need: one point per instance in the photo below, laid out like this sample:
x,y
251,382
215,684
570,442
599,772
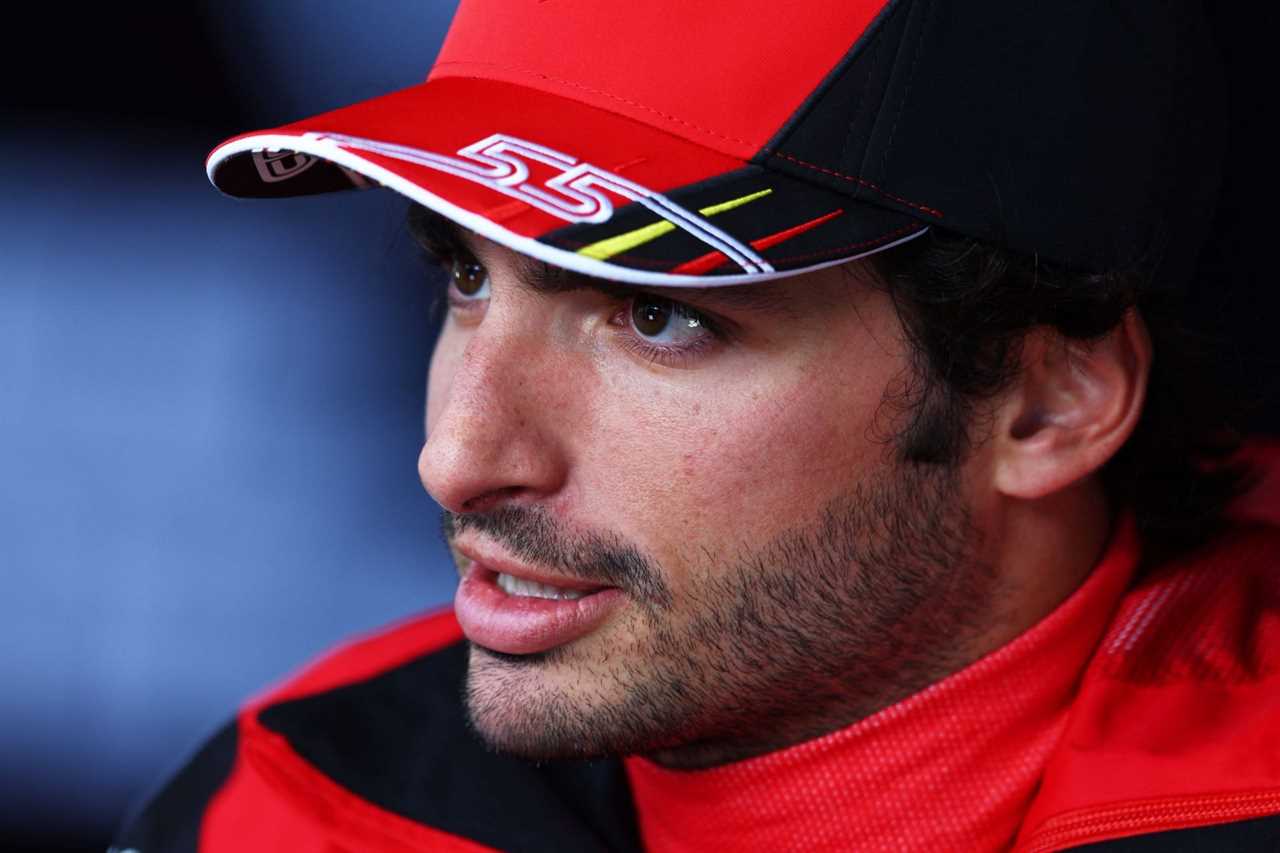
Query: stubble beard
x,y
827,623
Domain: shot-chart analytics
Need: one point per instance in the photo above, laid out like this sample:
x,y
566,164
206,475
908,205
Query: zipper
x,y
1088,825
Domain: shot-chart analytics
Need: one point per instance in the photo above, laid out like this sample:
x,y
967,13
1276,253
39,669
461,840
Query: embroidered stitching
x,y
610,95
911,76
862,98
861,182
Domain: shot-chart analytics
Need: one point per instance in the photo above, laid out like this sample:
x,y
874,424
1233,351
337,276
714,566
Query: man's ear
x,y
1074,405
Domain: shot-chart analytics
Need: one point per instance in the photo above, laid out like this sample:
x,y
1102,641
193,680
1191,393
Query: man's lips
x,y
519,624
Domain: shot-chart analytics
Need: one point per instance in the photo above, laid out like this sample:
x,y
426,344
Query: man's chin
x,y
521,705
528,731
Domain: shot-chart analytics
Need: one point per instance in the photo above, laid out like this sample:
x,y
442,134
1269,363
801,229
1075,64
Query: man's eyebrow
x,y
542,277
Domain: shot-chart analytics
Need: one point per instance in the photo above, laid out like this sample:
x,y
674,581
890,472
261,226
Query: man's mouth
x,y
519,615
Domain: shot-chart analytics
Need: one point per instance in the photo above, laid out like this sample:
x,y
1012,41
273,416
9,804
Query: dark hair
x,y
967,307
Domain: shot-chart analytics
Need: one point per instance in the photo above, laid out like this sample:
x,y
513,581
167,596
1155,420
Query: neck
x,y
1044,549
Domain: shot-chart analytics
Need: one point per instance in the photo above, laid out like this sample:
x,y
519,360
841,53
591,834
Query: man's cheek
x,y
701,485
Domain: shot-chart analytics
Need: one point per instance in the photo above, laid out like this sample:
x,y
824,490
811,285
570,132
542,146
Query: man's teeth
x,y
522,588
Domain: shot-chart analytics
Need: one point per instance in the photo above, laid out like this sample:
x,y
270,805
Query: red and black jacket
x,y
1173,742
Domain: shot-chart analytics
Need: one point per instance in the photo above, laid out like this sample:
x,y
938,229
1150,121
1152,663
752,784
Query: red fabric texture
x,y
720,72
1178,719
954,767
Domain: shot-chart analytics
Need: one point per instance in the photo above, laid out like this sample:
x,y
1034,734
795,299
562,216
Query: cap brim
x,y
570,184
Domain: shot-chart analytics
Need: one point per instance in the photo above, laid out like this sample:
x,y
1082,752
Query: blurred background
x,y
210,410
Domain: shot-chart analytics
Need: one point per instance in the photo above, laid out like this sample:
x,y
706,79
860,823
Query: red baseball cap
x,y
726,141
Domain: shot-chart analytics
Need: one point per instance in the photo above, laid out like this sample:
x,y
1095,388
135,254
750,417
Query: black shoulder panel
x,y
170,821
1261,835
400,741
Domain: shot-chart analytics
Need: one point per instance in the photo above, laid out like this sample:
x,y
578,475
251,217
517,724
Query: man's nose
x,y
493,438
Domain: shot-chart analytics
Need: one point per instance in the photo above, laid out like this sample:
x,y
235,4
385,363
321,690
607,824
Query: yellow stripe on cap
x,y
605,249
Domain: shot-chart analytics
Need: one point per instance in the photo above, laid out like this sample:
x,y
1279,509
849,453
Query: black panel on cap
x,y
1089,133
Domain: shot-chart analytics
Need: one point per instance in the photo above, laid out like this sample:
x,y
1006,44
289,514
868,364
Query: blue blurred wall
x,y
211,412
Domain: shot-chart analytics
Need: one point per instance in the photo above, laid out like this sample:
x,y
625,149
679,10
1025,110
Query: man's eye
x,y
662,321
470,279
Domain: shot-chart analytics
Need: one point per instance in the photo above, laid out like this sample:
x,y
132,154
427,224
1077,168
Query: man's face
x,y
714,482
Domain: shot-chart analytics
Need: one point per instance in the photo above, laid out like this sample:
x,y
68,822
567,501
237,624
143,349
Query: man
x,y
820,458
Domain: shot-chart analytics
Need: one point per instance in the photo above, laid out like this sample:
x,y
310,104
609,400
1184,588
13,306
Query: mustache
x,y
533,535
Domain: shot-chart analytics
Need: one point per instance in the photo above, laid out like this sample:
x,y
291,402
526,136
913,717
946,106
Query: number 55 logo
x,y
577,193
